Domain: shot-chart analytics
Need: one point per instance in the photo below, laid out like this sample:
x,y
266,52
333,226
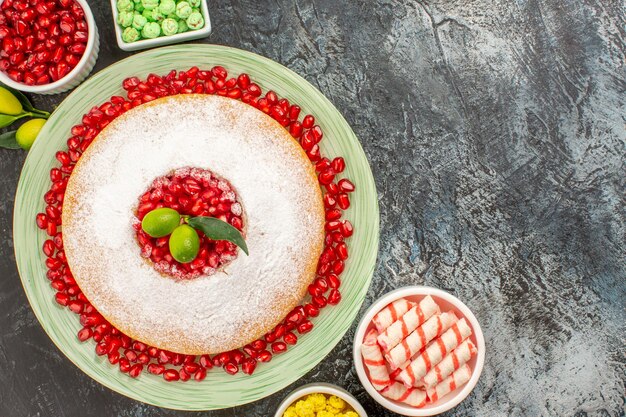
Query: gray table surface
x,y
495,131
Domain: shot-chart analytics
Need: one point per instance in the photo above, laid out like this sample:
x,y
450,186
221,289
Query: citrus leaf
x,y
21,98
6,120
7,140
217,229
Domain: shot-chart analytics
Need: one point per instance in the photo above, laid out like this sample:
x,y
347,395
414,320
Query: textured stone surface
x,y
495,131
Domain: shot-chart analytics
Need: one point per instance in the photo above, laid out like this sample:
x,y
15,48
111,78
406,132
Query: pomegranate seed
x,y
333,214
279,347
219,72
48,248
334,297
85,334
171,375
102,349
243,81
311,310
294,112
191,367
308,121
62,299
295,129
76,306
346,185
264,356
231,368
342,251
205,361
248,366
338,267
333,281
327,176
305,327
114,357
290,338
155,369
200,374
319,301
258,345
135,371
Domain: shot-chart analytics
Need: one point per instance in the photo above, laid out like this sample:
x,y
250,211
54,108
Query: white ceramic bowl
x,y
78,73
162,40
447,302
322,388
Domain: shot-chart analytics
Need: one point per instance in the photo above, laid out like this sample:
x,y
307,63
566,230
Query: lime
x,y
9,104
27,133
160,222
184,243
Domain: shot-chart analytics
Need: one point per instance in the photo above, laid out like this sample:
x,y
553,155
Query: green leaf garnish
x,y
8,141
6,120
217,229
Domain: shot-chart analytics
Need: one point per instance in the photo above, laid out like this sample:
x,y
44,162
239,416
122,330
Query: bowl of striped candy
x,y
419,351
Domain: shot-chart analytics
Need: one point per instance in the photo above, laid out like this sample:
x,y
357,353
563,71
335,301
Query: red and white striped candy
x,y
410,321
417,340
456,379
385,317
434,353
455,359
374,361
414,397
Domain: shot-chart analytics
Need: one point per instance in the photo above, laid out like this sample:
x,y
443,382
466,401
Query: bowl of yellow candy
x,y
320,400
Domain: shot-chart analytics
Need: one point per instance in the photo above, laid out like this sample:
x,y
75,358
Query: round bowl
x,y
77,74
447,302
320,388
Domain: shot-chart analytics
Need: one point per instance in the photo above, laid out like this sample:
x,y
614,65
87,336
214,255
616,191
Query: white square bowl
x,y
162,40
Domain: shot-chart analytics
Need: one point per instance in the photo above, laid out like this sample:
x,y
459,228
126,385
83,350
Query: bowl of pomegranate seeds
x,y
419,351
46,47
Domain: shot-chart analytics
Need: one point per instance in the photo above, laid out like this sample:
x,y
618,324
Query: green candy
x,y
156,15
182,26
125,6
148,15
151,30
150,4
139,21
195,3
139,7
195,21
183,10
167,7
125,19
130,35
169,27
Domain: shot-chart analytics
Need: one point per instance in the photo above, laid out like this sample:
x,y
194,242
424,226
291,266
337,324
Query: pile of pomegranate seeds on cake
x,y
193,192
132,356
42,41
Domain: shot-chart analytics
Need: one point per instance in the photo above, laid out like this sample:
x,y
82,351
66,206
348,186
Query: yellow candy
x,y
318,401
304,409
350,414
325,413
290,412
336,402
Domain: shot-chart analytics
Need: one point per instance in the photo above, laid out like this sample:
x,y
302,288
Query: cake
x,y
279,198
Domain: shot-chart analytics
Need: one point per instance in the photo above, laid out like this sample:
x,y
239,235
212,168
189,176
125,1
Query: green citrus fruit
x,y
9,104
160,222
184,243
27,133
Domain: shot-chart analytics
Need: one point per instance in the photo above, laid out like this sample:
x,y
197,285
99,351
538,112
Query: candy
x,y
167,7
414,342
435,351
413,318
182,26
125,6
385,317
373,359
169,27
453,361
195,21
412,396
150,4
183,10
139,21
456,379
195,3
125,19
130,35
151,30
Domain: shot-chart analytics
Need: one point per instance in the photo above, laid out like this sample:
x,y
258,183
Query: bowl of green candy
x,y
141,24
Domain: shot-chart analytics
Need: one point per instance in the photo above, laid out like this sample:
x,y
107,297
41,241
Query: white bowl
x,y
78,73
447,302
320,388
162,40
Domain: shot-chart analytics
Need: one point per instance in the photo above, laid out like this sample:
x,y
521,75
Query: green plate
x,y
218,390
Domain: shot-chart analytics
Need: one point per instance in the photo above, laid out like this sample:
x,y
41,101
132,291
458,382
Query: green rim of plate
x,y
218,390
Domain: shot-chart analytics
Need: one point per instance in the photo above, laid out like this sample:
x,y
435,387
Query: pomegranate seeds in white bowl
x,y
48,47
419,351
